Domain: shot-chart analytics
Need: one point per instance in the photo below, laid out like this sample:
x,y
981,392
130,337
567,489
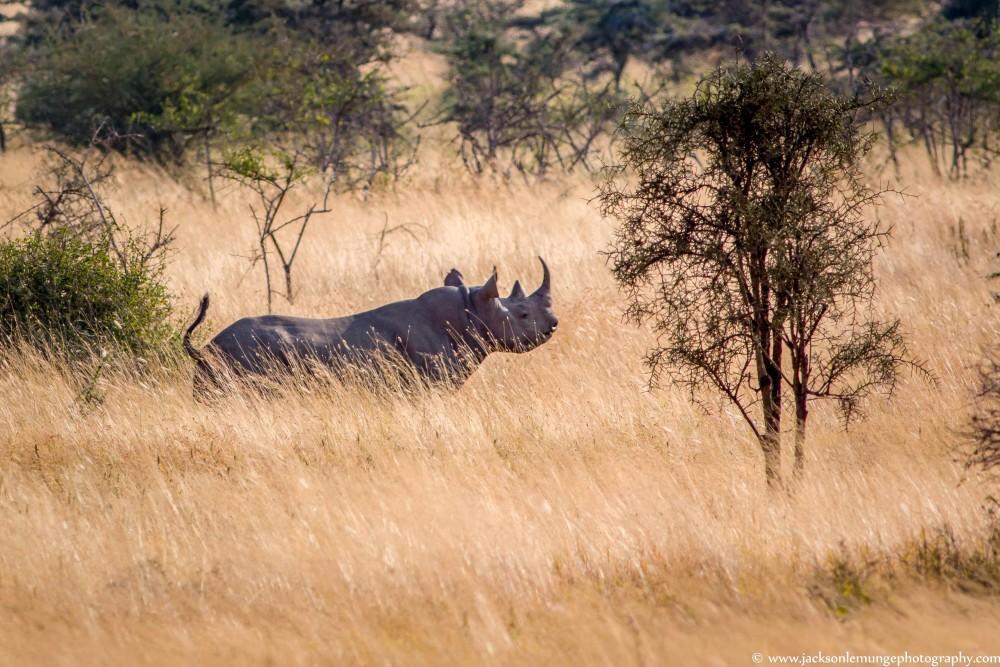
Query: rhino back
x,y
409,326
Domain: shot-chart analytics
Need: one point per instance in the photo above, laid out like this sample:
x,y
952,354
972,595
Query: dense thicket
x,y
157,80
173,79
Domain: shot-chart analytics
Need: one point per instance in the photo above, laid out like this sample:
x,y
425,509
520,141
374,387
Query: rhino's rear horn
x,y
516,292
489,288
543,290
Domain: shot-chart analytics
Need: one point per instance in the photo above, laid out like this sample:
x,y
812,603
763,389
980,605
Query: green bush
x,y
160,79
64,291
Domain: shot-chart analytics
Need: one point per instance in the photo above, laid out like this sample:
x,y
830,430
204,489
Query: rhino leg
x,y
207,384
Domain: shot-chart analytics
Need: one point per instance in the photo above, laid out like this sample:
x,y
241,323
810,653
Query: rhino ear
x,y
517,292
489,289
454,279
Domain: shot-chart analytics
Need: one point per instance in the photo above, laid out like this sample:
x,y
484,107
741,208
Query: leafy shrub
x,y
156,78
63,290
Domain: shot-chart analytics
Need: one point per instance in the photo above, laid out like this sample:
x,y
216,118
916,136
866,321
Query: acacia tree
x,y
4,103
271,178
350,121
158,79
744,240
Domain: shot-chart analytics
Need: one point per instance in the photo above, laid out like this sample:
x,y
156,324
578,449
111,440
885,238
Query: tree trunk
x,y
801,414
287,268
890,137
770,445
620,62
807,41
267,272
770,390
768,361
208,167
800,384
765,27
849,57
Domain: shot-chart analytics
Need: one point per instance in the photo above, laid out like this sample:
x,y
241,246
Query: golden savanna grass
x,y
551,511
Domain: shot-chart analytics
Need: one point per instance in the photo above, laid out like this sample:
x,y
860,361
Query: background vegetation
x,y
528,89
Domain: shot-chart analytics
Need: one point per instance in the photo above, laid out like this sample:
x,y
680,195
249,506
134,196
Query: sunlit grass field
x,y
552,511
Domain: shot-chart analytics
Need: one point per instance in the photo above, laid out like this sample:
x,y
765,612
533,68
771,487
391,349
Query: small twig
x,y
386,231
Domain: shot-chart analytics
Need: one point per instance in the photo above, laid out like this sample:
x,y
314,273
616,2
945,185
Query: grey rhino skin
x,y
442,335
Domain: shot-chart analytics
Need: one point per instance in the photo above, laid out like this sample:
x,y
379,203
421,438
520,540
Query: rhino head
x,y
516,323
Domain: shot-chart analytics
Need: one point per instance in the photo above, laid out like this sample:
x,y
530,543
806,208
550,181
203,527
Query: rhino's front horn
x,y
544,289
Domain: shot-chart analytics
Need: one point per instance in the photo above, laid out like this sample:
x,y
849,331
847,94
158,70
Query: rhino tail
x,y
191,350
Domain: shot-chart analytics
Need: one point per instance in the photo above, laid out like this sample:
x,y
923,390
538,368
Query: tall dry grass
x,y
551,511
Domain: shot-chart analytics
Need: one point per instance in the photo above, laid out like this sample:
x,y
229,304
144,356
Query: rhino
x,y
440,336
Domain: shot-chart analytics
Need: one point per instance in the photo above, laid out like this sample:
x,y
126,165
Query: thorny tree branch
x,y
272,189
383,239
74,205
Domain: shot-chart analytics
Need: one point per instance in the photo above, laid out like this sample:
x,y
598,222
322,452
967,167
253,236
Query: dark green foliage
x,y
64,291
606,35
348,121
609,33
948,79
612,31
362,27
322,90
80,279
168,75
526,93
158,79
745,240
946,76
814,30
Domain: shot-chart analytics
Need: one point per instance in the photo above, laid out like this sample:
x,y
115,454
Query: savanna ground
x,y
551,511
